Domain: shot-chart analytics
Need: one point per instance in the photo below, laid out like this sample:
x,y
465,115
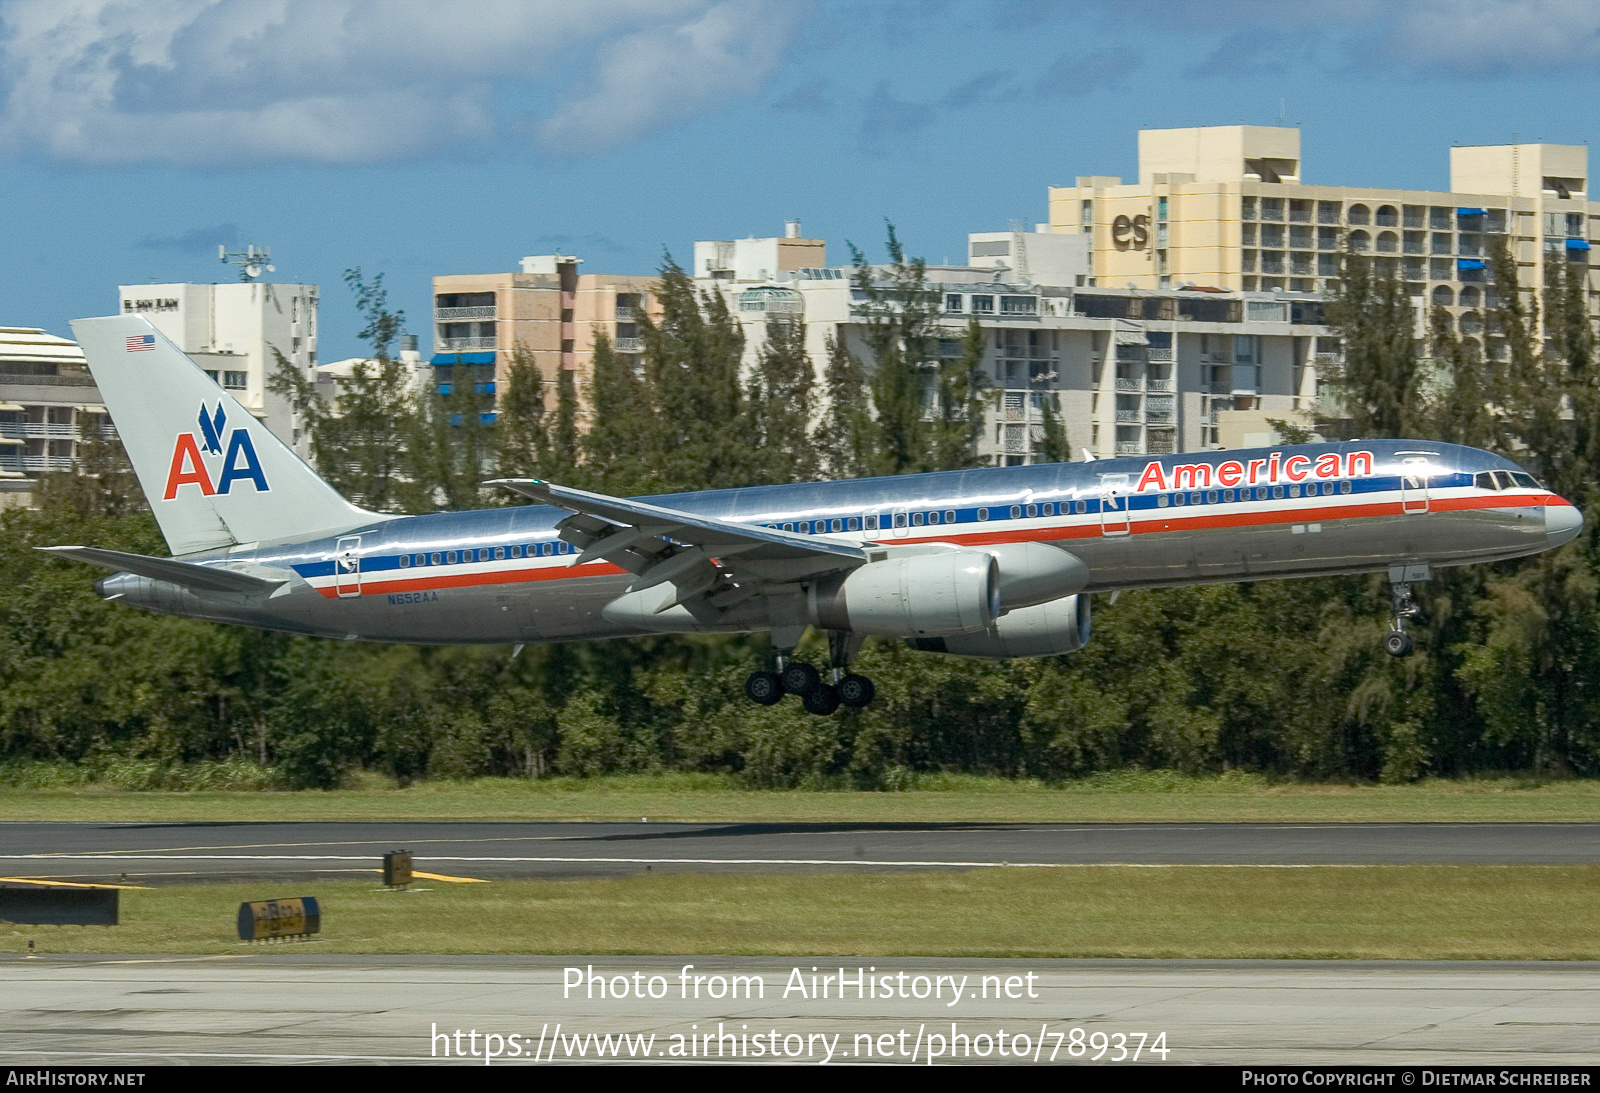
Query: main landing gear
x,y
799,678
1397,642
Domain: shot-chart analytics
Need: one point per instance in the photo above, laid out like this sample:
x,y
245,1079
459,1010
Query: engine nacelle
x,y
1045,630
920,595
1033,573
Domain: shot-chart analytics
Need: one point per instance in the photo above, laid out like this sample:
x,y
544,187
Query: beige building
x,y
1128,372
549,308
1228,207
49,406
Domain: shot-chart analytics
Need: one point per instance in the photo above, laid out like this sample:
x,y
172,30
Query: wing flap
x,y
189,574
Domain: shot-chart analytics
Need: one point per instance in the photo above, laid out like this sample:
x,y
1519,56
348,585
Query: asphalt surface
x,y
189,853
286,1006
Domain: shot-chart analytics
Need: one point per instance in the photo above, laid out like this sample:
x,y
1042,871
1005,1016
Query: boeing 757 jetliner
x,y
998,562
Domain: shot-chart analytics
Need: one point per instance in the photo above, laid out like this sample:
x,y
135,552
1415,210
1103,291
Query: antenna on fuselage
x,y
1088,456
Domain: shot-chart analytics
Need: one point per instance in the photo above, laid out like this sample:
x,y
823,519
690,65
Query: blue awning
x,y
1470,263
1577,244
447,359
1471,212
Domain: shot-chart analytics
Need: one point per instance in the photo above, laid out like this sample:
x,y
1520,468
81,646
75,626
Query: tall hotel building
x,y
1227,207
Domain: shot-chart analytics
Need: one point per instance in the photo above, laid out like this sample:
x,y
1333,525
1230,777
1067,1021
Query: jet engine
x,y
1047,629
921,595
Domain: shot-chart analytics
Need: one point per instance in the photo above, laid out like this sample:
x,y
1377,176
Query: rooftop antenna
x,y
252,261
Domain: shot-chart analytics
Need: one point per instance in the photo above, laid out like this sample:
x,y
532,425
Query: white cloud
x,y
652,79
211,82
1496,37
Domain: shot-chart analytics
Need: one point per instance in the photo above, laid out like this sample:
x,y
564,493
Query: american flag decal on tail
x,y
141,343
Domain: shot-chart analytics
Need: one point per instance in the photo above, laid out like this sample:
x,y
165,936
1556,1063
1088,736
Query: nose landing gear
x,y
1397,642
793,676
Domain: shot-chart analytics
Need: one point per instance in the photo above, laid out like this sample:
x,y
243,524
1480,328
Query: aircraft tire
x,y
1397,643
764,688
821,700
800,678
856,691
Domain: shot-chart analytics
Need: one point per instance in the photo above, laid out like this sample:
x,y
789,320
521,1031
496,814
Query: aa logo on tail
x,y
239,461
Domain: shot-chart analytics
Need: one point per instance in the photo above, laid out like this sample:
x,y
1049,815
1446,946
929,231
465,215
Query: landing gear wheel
x,y
856,691
1397,643
764,688
800,678
821,700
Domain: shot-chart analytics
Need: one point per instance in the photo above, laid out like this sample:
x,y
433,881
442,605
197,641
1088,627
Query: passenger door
x,y
1414,471
347,566
1113,505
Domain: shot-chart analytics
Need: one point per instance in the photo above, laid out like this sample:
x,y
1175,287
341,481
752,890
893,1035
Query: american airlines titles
x,y
1273,470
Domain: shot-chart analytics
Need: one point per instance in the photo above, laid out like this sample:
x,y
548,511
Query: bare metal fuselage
x,y
504,576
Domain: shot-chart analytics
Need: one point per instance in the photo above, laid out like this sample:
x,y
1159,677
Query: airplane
x,y
995,562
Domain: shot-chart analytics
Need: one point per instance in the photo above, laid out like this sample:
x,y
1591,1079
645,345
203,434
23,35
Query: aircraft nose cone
x,y
1561,523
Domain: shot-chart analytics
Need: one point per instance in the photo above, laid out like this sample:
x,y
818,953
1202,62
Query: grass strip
x,y
1381,912
1121,798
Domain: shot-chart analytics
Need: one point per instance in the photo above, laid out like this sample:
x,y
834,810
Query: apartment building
x,y
1129,371
549,309
1228,207
49,406
234,332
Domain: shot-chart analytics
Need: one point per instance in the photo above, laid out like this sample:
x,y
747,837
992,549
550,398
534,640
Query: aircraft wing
x,y
696,553
208,578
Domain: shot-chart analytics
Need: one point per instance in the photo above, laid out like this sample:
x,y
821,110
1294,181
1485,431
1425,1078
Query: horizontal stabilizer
x,y
207,578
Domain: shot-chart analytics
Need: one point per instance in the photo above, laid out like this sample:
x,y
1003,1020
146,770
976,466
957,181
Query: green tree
x,y
845,437
693,362
899,311
959,411
1379,381
780,402
624,433
522,421
359,442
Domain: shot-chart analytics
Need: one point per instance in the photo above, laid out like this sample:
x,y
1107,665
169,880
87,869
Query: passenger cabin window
x,y
983,514
949,516
405,561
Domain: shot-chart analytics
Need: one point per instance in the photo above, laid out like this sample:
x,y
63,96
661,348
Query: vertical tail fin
x,y
214,475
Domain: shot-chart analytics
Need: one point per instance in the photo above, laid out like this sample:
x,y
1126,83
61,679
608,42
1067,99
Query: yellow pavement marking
x,y
68,883
441,876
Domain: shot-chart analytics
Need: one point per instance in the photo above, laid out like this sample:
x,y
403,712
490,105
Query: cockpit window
x,y
1503,480
1484,480
1525,480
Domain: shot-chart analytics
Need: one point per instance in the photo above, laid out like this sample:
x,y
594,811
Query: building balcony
x,y
626,314
19,430
8,379
463,345
1159,385
1128,417
35,463
458,314
630,345
1159,354
1130,447
1129,385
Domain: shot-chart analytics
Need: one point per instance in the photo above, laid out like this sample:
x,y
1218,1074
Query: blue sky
x,y
412,138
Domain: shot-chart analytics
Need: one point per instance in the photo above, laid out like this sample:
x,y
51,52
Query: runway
x,y
189,853
297,1007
